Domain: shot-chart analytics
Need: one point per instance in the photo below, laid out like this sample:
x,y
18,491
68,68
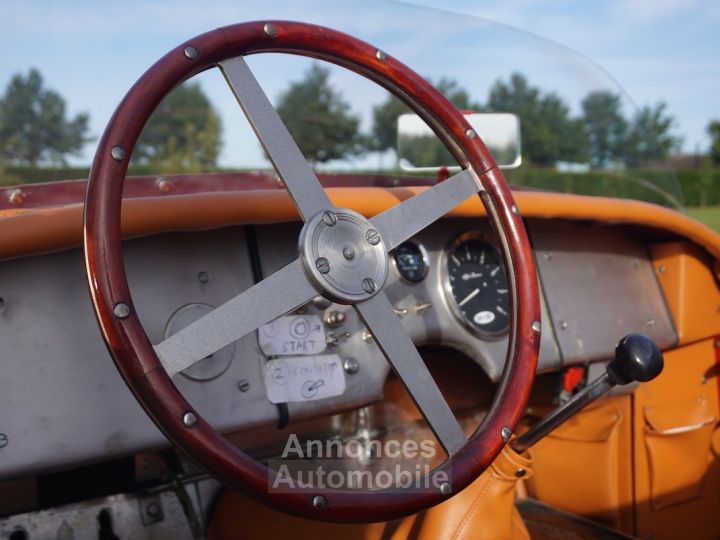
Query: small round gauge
x,y
411,261
476,285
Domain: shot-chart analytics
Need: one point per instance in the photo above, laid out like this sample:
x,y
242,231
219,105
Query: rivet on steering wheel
x,y
191,52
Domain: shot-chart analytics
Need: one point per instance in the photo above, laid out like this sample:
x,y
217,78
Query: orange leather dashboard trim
x,y
39,230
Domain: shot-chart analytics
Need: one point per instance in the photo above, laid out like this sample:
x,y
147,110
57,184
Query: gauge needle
x,y
469,297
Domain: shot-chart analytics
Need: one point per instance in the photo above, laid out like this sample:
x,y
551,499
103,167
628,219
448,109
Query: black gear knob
x,y
637,358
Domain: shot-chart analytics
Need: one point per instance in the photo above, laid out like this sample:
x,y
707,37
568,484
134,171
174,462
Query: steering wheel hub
x,y
344,256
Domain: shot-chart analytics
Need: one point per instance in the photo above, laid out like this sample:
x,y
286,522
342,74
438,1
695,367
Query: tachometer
x,y
476,285
411,261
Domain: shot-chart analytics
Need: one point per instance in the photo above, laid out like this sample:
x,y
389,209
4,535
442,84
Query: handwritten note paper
x,y
292,336
304,378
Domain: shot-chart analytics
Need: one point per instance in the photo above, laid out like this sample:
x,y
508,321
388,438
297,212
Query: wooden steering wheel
x,y
323,267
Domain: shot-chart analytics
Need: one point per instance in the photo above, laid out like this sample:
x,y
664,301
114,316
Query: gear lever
x,y
637,358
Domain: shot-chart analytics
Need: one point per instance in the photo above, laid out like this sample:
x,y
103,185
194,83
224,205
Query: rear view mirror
x,y
419,149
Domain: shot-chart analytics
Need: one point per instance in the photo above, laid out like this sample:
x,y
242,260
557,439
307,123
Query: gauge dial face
x,y
411,261
477,286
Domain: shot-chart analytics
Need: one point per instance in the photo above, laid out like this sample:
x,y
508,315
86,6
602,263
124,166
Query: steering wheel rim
x,y
136,357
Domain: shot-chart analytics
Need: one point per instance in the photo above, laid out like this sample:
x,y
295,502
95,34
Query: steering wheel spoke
x,y
405,220
398,348
283,291
299,178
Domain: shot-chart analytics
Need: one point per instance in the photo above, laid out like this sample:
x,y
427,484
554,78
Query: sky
x,y
656,50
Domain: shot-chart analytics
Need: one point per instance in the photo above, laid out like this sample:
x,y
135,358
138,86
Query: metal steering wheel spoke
x,y
299,178
405,220
398,348
283,291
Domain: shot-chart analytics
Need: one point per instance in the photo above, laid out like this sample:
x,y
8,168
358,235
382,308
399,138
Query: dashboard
x,y
64,403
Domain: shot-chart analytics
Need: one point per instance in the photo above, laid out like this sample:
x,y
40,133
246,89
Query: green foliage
x,y
713,130
649,138
319,119
182,135
34,128
547,131
605,127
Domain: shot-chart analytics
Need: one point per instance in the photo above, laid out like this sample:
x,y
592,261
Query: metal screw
x,y
121,310
270,30
189,419
563,324
348,253
445,488
505,433
536,327
519,473
373,237
323,265
351,366
243,385
16,197
3,440
163,185
117,153
368,285
153,510
380,55
470,134
190,52
661,269
319,502
329,218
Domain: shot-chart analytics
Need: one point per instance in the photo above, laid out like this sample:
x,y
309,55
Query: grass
x,y
709,215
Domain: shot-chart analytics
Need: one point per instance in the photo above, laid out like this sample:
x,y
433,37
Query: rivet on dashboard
x,y
191,52
505,433
470,134
563,325
536,327
203,276
323,265
319,502
380,55
16,197
243,385
349,253
121,310
445,488
117,153
270,30
189,419
351,366
519,473
661,269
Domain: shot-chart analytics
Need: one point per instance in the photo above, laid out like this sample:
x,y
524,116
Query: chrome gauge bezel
x,y
447,289
423,254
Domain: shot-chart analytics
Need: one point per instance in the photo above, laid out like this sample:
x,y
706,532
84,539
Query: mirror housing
x,y
419,149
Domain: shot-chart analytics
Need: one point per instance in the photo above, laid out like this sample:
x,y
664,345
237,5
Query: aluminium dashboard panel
x,y
600,285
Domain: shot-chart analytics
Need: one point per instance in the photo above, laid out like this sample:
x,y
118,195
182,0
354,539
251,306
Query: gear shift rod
x,y
637,358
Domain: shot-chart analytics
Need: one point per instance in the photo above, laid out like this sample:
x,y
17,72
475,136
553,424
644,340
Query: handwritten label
x,y
293,335
304,378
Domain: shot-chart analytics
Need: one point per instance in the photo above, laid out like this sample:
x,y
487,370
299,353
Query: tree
x,y
649,137
605,126
34,127
319,119
548,133
385,115
183,134
713,130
